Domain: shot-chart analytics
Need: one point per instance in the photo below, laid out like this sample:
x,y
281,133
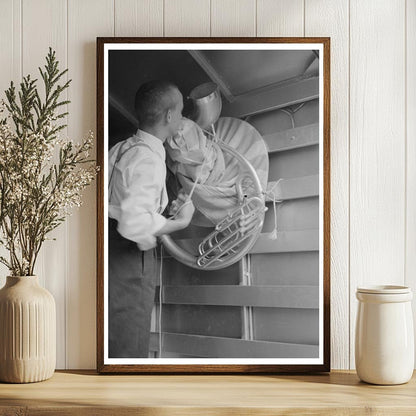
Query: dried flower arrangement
x,y
42,176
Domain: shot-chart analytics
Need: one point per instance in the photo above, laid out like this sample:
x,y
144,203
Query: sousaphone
x,y
244,149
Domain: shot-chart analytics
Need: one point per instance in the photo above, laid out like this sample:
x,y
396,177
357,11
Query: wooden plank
x,y
410,278
293,269
10,67
123,111
272,99
280,18
86,19
86,393
44,25
187,18
10,44
138,17
303,297
297,214
377,147
331,18
287,241
299,326
233,18
293,188
216,347
293,138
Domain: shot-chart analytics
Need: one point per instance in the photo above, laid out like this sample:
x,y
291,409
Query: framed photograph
x,y
213,225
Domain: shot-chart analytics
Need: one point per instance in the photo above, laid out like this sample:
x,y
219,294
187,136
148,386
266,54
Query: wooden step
x,y
296,297
295,138
293,188
218,347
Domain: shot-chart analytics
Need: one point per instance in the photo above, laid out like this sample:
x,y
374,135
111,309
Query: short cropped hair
x,y
152,100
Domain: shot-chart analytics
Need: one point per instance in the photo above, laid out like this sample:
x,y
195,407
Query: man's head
x,y
159,106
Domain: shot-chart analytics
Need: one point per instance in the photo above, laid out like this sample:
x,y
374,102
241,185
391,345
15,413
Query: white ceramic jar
x,y
384,340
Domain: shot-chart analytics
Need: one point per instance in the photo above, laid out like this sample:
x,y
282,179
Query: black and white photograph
x,y
214,205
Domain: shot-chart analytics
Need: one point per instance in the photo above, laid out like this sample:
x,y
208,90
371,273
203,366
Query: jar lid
x,y
384,289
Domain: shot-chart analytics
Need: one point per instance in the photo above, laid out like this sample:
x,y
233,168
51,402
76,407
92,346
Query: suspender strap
x,y
120,154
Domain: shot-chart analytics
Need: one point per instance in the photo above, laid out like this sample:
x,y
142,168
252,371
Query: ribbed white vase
x,y
27,331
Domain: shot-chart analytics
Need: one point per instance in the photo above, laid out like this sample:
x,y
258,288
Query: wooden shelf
x,y
293,188
295,138
86,393
300,297
287,241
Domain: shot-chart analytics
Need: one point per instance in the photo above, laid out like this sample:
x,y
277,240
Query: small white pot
x,y
384,340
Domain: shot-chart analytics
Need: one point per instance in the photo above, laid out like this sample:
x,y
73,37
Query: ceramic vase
x,y
27,331
384,341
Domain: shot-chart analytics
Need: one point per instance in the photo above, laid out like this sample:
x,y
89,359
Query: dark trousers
x,y
131,276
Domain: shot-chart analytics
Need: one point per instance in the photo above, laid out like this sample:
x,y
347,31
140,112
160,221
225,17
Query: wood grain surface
x,y
410,260
377,149
233,18
280,18
85,18
81,393
51,265
330,18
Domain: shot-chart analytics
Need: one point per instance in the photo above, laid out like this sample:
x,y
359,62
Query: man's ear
x,y
168,115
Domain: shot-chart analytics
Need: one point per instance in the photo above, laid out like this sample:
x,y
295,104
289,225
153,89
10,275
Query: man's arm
x,y
139,194
181,219
138,219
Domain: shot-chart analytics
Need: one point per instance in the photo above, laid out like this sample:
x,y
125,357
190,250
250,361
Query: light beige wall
x,y
373,128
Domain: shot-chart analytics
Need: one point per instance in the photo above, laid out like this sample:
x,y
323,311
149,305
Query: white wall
x,y
373,132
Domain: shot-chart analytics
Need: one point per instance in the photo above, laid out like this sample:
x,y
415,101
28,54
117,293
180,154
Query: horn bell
x,y
207,104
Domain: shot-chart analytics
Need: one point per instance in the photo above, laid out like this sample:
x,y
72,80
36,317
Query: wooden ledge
x,y
85,393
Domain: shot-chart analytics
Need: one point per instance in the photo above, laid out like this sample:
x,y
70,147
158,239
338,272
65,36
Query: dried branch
x,y
36,193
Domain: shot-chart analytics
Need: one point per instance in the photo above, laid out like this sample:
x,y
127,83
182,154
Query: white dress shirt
x,y
137,190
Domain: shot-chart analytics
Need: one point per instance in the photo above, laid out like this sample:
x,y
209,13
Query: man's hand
x,y
177,203
185,212
182,209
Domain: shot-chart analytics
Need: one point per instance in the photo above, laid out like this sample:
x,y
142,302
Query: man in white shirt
x,y
137,199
